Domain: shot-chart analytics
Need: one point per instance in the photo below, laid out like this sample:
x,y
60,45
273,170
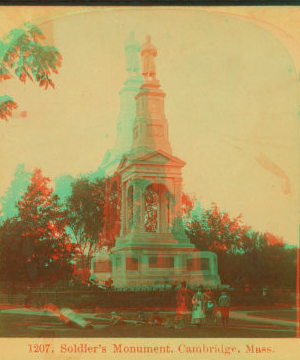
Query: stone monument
x,y
145,218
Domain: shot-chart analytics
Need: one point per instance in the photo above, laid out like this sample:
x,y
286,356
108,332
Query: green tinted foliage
x,y
25,55
86,214
46,246
7,104
211,229
245,256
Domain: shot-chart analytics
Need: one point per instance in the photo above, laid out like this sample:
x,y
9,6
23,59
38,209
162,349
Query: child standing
x,y
197,312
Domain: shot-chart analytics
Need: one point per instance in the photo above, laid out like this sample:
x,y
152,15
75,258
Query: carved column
x,y
164,214
178,206
216,264
106,208
119,205
143,201
213,265
137,206
124,209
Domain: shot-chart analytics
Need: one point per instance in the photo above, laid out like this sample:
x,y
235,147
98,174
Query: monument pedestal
x,y
150,259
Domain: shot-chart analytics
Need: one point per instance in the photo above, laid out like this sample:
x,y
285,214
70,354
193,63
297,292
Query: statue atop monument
x,y
148,54
132,48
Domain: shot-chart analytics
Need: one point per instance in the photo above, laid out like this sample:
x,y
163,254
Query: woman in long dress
x,y
198,315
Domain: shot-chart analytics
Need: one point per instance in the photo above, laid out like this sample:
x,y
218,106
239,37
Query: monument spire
x,y
150,128
127,112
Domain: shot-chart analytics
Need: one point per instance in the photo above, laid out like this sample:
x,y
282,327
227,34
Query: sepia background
x,y
232,101
231,76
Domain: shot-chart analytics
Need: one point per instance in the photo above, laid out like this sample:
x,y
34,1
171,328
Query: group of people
x,y
204,305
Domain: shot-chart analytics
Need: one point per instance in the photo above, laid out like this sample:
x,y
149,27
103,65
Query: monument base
x,y
138,261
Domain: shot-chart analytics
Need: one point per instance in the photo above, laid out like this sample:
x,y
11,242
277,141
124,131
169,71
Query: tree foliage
x,y
45,243
12,262
86,214
245,256
7,104
42,240
214,230
25,55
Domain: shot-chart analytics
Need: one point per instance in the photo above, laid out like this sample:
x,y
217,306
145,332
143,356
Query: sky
x,y
231,102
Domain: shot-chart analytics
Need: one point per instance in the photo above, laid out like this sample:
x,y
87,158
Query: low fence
x,y
15,299
86,298
106,299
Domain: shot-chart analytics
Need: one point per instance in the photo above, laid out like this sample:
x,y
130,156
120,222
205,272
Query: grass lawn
x,y
27,325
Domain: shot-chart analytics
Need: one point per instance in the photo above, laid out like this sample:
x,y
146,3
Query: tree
x,y
277,266
23,54
245,256
12,262
211,229
271,239
14,192
46,246
86,215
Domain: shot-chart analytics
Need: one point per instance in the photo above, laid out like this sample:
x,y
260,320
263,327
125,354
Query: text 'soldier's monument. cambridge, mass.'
x,y
144,218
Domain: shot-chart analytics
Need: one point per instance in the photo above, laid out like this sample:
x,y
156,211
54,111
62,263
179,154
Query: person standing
x,y
207,295
224,303
182,298
198,315
209,311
